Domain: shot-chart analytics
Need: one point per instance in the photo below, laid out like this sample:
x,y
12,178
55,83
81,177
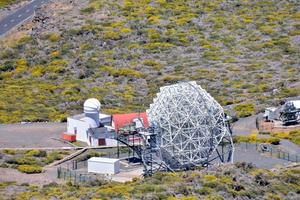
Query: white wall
x,y
103,167
111,142
82,128
94,142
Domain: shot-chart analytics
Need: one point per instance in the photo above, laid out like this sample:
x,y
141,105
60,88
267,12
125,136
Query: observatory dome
x,y
91,105
189,124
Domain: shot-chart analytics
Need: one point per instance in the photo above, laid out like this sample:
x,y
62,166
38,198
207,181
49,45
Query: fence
x,y
79,177
273,127
74,165
270,150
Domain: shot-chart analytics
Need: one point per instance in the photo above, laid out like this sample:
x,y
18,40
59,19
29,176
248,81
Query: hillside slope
x,y
244,53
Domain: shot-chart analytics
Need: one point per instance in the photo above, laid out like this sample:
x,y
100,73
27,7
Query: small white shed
x,y
102,165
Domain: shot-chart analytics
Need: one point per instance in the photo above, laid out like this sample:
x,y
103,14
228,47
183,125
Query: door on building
x,y
75,130
101,142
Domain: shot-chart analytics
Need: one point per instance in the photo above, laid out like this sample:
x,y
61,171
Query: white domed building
x,y
89,126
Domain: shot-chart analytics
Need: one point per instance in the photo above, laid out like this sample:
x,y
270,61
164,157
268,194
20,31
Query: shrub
x,y
204,190
37,71
24,40
244,110
91,154
30,169
156,46
266,29
210,181
214,197
4,3
252,138
9,151
154,20
36,153
295,137
53,37
55,54
129,73
153,35
281,135
173,79
22,161
7,66
155,65
88,10
112,35
289,92
51,157
125,30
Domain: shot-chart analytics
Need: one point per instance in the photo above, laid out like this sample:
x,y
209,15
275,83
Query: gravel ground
x,y
31,135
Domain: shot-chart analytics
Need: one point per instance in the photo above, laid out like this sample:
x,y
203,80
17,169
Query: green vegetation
x,y
244,53
252,138
244,110
5,3
239,181
30,161
90,154
30,169
293,136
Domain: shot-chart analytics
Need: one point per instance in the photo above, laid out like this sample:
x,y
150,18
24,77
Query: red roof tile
x,y
121,120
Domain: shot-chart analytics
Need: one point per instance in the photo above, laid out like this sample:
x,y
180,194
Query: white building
x,y
89,126
103,165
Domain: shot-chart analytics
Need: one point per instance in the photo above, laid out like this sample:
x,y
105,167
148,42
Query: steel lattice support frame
x,y
189,125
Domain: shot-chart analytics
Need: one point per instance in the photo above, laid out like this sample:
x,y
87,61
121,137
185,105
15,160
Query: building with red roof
x,y
121,120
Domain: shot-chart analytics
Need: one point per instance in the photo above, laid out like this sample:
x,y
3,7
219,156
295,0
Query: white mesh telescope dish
x,y
189,123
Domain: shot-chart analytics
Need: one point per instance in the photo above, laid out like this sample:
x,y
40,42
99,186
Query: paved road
x,y
244,126
31,135
249,154
20,16
290,147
